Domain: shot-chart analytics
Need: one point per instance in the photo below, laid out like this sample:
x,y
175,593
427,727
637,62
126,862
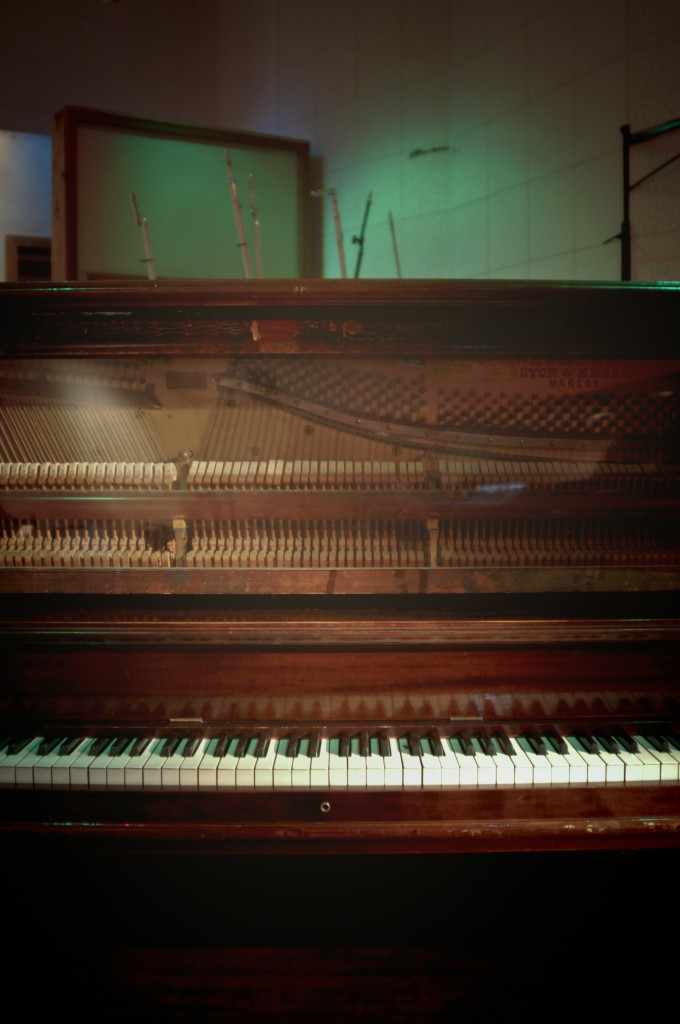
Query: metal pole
x,y
625,225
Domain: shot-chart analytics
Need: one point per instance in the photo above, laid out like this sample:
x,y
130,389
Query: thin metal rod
x,y
625,224
256,226
394,243
144,225
338,229
656,170
359,239
242,240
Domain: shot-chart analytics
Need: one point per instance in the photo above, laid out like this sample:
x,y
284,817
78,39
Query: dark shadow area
x,y
333,938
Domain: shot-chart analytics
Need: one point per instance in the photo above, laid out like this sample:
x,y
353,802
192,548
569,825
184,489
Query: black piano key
x,y
554,741
118,745
343,744
364,747
192,744
98,745
293,748
607,742
69,745
314,744
624,740
535,742
140,745
484,743
383,744
503,742
49,744
436,741
671,738
262,744
20,743
586,741
465,743
221,745
170,745
241,745
655,740
415,747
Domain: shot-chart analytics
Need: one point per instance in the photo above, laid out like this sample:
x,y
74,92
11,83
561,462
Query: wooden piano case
x,y
427,511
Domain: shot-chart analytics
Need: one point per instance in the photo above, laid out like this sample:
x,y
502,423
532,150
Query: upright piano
x,y
329,566
360,569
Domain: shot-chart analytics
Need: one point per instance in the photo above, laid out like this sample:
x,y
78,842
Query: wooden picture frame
x,y
178,174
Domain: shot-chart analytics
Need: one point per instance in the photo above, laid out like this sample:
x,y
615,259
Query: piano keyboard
x,y
259,760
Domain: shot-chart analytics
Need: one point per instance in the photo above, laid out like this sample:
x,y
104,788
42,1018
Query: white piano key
x,y
675,755
301,771
578,769
375,764
226,769
32,768
11,764
668,765
170,770
524,770
486,766
356,765
559,767
651,767
207,769
505,768
42,771
115,770
467,765
96,772
264,769
539,763
614,767
133,773
411,766
283,767
450,768
78,771
394,769
632,765
594,763
431,766
337,765
152,769
59,769
188,768
319,769
438,769
245,769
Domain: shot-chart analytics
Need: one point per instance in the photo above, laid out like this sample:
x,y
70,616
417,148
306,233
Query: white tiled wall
x,y
654,99
514,106
489,129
